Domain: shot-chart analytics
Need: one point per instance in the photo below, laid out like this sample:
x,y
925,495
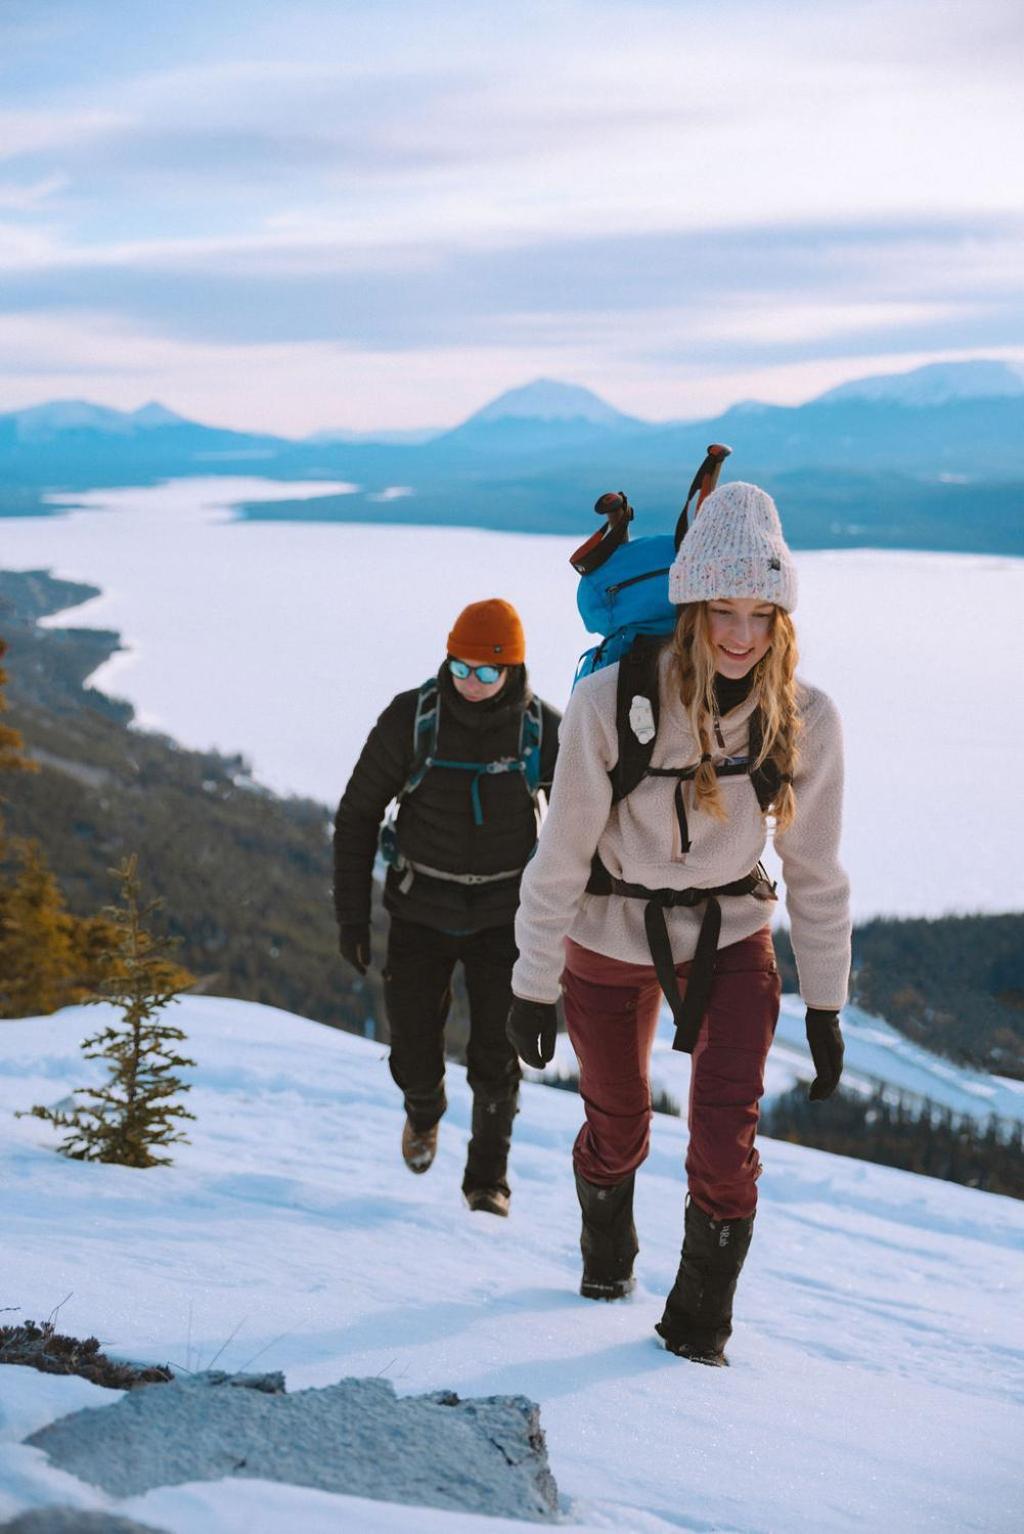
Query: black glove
x,y
826,1041
531,1028
354,944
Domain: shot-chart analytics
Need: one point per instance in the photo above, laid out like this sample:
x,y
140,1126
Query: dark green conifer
x,y
132,1116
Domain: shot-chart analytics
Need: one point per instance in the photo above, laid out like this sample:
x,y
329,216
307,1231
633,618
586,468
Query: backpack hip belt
x,y
688,1013
407,869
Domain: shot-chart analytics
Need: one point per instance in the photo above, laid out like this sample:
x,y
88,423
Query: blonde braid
x,y
695,671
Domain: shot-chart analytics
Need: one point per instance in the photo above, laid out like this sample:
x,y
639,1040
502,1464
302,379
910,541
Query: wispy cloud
x,y
25,196
598,183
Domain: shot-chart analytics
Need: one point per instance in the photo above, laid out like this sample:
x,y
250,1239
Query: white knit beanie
x,y
734,548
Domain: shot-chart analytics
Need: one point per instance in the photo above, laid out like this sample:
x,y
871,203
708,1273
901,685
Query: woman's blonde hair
x,y
775,690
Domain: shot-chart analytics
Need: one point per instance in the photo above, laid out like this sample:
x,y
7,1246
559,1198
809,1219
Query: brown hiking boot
x,y
487,1200
419,1147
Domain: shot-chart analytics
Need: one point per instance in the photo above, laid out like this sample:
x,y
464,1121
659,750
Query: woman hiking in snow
x,y
654,886
465,755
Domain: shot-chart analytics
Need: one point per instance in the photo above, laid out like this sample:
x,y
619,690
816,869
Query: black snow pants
x,y
417,991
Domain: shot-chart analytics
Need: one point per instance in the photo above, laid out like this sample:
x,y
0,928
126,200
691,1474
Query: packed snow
x,y
285,641
878,1360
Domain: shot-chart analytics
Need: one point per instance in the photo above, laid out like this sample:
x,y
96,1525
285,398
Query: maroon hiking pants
x,y
611,1009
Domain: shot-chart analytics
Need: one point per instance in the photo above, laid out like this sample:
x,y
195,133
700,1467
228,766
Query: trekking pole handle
x,y
614,505
704,481
618,513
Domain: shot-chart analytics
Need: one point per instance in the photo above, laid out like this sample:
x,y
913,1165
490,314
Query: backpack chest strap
x,y
479,770
425,731
735,768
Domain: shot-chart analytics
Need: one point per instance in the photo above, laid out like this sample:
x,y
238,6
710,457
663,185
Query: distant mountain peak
x,y
49,422
155,414
937,383
750,407
81,414
548,399
67,414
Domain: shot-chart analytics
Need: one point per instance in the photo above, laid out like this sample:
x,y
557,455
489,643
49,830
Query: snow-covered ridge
x,y
937,383
878,1361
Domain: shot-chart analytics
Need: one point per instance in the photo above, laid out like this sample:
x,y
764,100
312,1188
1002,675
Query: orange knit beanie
x,y
488,631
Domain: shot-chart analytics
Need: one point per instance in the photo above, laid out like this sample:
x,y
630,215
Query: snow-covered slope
x,y
878,1361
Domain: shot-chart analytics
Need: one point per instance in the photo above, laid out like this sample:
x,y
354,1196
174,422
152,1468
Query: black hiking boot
x,y
607,1239
697,1322
485,1184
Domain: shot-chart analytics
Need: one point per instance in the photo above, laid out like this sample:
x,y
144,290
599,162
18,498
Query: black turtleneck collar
x,y
730,693
510,700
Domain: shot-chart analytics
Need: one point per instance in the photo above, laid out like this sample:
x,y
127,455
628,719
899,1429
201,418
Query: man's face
x,y
470,686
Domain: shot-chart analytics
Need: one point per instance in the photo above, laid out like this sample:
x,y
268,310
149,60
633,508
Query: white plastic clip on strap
x,y
641,719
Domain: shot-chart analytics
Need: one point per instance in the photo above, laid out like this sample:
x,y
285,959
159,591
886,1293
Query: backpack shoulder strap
x,y
424,734
637,712
765,779
531,735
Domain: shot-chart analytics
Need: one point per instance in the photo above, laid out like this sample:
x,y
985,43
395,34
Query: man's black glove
x,y
826,1041
531,1028
354,945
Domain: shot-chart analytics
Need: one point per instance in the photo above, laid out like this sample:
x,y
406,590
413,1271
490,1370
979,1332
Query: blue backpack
x,y
623,589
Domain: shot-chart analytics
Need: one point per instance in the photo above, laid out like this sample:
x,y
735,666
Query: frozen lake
x,y
285,641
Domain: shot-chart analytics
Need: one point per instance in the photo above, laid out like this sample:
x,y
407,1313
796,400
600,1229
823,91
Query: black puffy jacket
x,y
435,823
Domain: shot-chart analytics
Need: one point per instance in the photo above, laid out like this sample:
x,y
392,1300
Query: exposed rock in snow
x,y
73,1520
356,1437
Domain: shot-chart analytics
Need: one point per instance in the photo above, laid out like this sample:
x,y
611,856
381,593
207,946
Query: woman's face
x,y
740,630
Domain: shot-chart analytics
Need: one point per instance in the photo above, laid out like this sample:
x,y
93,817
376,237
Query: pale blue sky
x,y
356,214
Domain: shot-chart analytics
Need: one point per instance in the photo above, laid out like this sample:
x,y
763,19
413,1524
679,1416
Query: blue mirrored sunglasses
x,y
486,674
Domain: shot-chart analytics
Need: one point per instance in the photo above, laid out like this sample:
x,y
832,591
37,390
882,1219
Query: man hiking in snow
x,y
465,755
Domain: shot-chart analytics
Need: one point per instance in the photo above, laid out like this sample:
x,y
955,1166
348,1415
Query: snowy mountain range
x,y
549,401
877,1361
930,459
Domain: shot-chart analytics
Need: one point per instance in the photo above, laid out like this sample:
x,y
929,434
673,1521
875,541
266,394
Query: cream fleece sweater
x,y
638,841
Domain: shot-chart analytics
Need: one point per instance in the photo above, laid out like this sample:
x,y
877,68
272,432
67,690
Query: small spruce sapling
x,y
132,1116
